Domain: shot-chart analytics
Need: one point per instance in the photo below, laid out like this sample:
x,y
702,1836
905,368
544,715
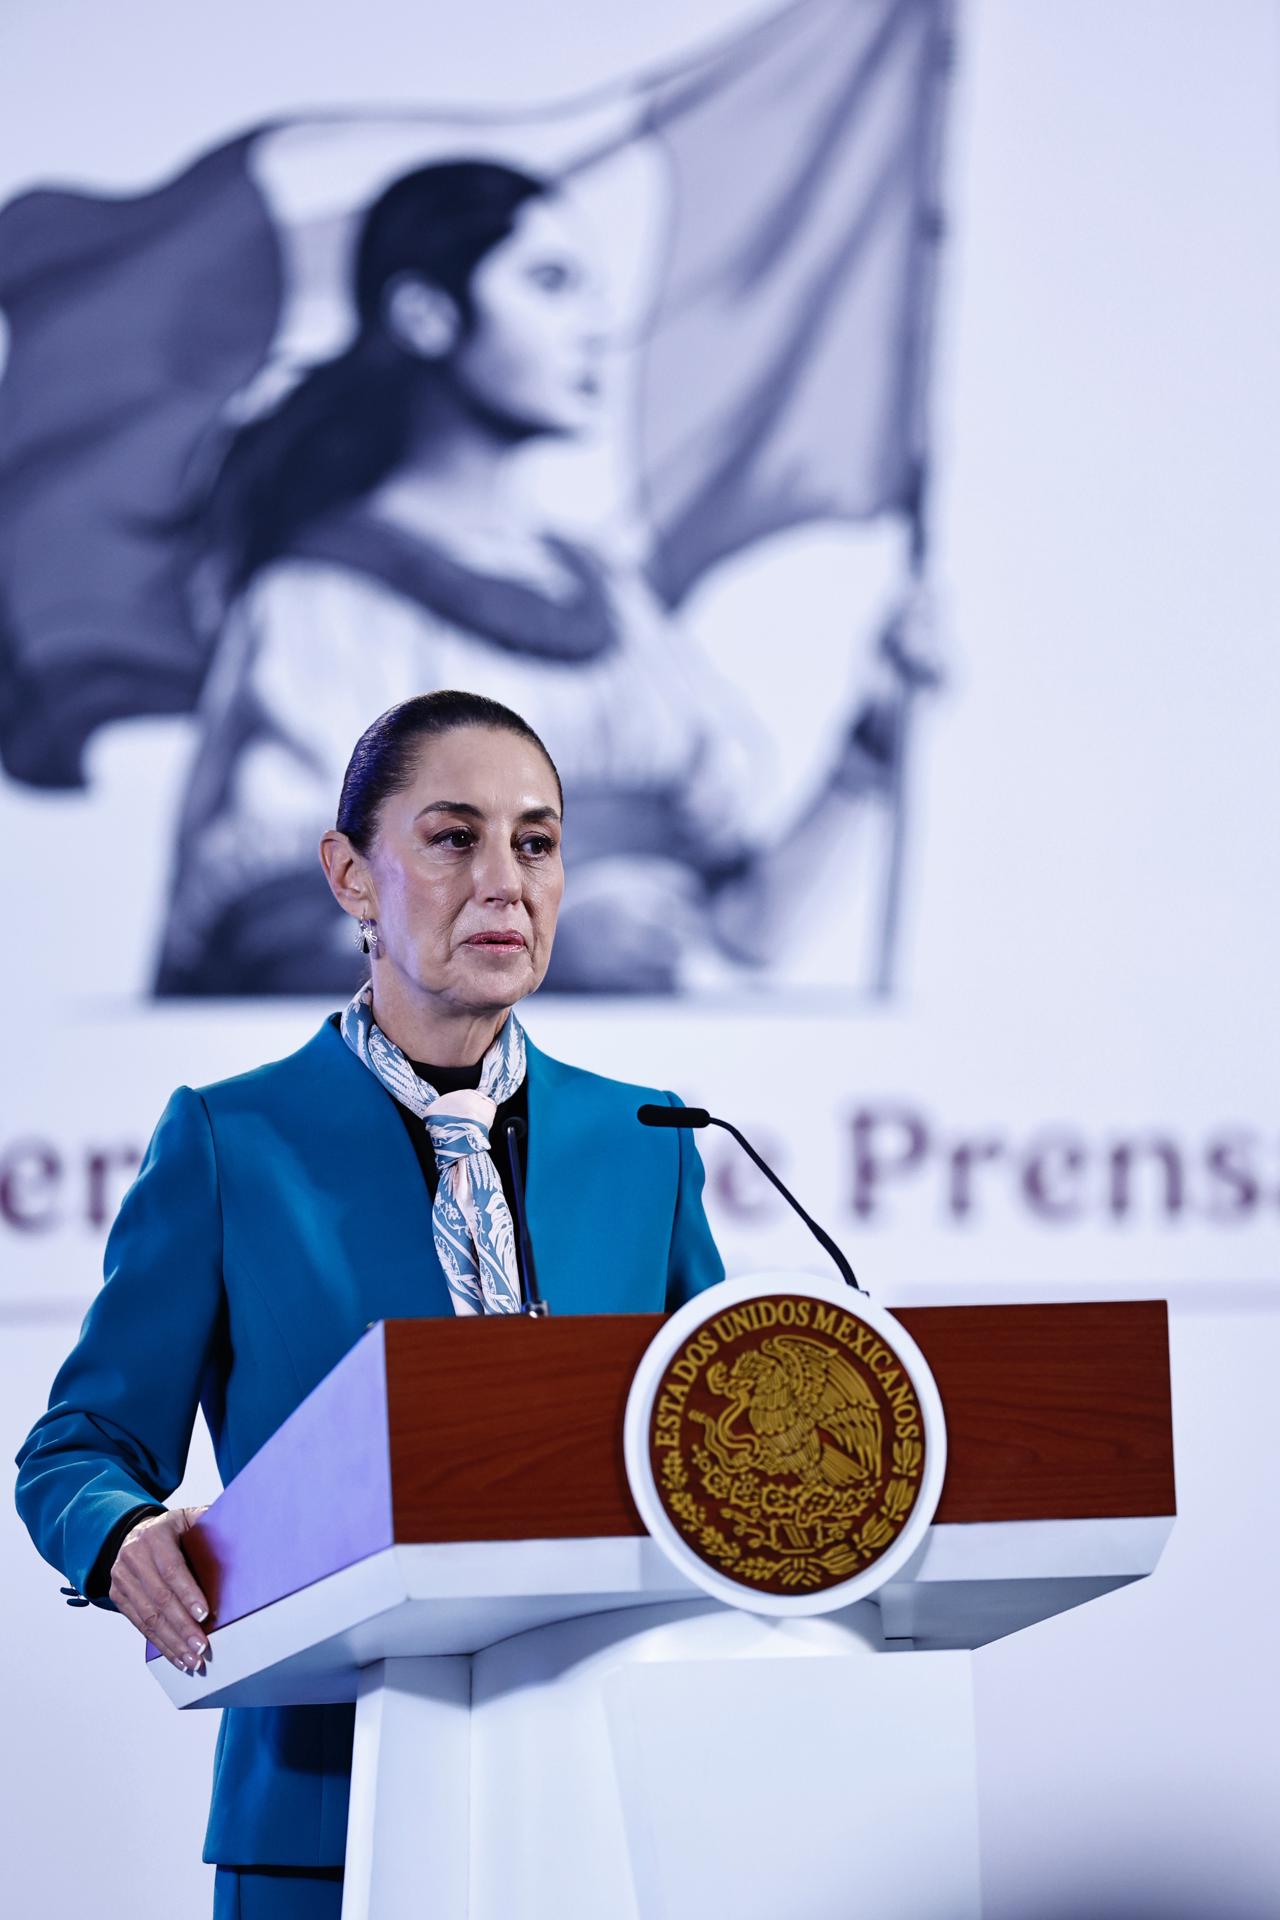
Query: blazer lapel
x,y
387,1242
570,1222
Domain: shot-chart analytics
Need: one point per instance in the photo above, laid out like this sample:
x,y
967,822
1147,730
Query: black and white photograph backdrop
x,y
845,429
484,400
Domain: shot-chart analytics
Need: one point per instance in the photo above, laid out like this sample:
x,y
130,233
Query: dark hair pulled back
x,y
383,759
346,425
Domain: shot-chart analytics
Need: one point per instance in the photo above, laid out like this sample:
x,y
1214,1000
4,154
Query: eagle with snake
x,y
807,1412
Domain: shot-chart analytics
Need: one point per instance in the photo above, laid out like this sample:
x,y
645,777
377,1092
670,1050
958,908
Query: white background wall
x,y
1092,911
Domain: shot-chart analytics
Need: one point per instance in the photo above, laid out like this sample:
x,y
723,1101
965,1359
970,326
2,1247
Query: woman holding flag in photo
x,y
220,504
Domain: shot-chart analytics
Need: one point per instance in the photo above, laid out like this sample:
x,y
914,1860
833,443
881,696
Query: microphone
x,y
534,1305
654,1116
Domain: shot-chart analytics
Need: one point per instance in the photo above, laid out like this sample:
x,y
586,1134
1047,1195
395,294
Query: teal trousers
x,y
277,1893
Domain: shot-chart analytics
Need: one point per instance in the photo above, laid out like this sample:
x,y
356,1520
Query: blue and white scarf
x,y
474,1234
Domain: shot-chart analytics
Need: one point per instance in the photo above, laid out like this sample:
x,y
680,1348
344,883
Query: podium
x,y
553,1720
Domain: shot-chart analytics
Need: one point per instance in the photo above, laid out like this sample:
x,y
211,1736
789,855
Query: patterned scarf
x,y
474,1234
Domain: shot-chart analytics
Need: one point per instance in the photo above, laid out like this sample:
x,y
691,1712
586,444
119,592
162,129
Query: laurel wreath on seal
x,y
761,1515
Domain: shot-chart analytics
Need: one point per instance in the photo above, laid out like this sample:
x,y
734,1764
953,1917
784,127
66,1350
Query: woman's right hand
x,y
152,1585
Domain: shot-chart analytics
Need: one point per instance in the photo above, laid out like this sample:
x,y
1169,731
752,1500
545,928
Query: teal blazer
x,y
275,1216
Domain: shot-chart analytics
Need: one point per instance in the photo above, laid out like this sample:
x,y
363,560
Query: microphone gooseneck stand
x,y
653,1116
533,1304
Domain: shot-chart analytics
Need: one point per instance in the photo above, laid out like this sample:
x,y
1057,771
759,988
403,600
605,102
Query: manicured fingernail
x,y
200,1613
197,1647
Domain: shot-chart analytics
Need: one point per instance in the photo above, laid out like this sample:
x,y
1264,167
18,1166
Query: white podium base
x,y
668,1763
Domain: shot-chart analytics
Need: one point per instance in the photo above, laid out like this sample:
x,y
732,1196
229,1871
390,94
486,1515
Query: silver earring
x,y
367,938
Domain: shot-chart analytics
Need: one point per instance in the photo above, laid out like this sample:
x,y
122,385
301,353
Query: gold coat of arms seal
x,y
787,1439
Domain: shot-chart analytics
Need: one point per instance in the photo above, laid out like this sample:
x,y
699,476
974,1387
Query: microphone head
x,y
515,1125
652,1116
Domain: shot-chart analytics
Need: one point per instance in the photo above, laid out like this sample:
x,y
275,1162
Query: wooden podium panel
x,y
513,1429
1058,1411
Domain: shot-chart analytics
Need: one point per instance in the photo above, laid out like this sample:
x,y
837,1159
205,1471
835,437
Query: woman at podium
x,y
368,1176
